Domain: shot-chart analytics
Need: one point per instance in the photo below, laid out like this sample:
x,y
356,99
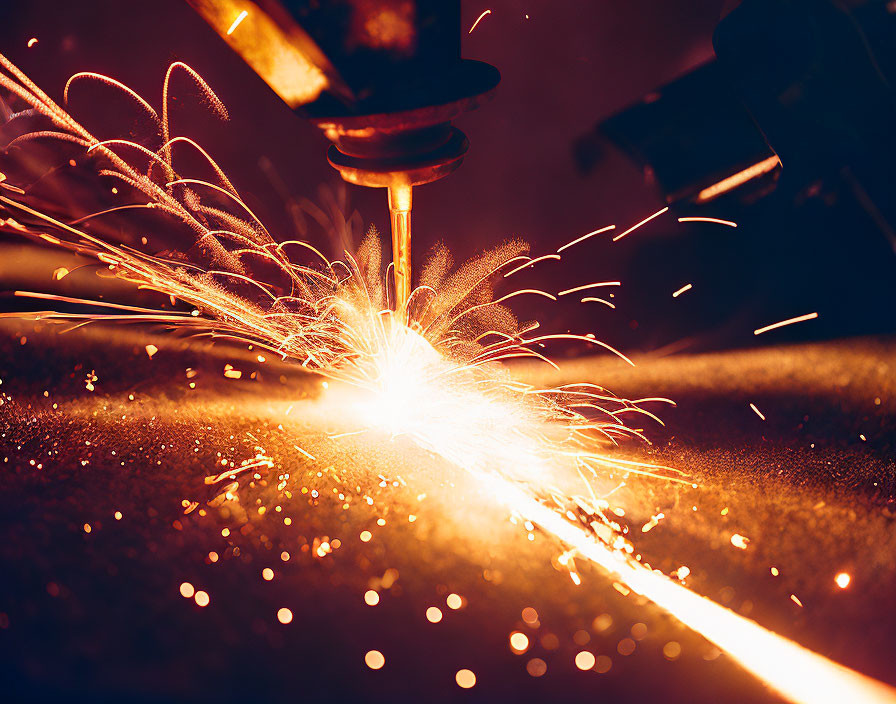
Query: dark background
x,y
564,69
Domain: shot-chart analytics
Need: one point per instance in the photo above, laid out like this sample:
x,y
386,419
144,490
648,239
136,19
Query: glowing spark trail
x,y
600,284
790,321
478,20
585,237
683,289
641,224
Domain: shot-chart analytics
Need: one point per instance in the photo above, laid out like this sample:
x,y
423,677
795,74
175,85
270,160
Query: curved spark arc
x,y
426,377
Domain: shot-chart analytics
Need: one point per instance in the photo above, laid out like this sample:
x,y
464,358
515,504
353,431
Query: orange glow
x,y
536,667
201,598
374,659
842,580
585,660
433,614
284,616
371,597
738,179
519,642
717,221
465,679
671,650
454,601
187,591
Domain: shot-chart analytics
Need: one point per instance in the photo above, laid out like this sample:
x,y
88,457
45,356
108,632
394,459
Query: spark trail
x,y
430,371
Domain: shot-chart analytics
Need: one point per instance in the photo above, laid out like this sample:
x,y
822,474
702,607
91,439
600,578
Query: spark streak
x,y
790,321
236,23
599,284
641,224
717,221
585,237
686,287
478,20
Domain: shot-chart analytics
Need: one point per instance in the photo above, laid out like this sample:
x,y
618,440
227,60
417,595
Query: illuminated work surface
x,y
101,613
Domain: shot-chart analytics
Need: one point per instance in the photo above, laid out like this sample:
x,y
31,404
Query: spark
x,y
739,541
585,660
586,287
479,19
585,237
842,580
236,23
454,601
519,642
717,221
790,321
683,289
757,411
32,42
532,263
592,299
641,224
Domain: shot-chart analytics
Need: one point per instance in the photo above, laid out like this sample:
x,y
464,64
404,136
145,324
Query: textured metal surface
x,y
97,616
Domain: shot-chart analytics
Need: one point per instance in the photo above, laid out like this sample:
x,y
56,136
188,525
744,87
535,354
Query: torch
x,y
383,80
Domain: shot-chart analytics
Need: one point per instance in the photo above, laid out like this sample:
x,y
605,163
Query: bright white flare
x,y
513,453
